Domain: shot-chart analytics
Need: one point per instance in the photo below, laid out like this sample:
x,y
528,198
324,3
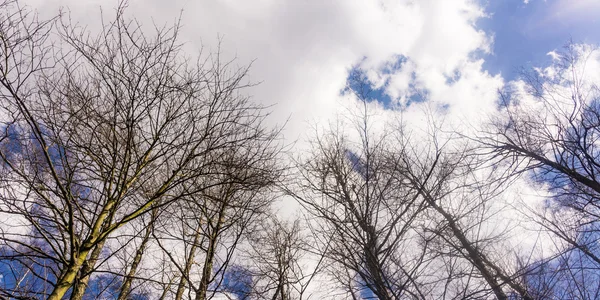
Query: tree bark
x,y
126,286
81,284
66,280
210,254
188,265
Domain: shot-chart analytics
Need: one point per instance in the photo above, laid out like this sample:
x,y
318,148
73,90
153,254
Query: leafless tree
x,y
548,132
365,214
211,225
99,131
281,261
404,215
461,205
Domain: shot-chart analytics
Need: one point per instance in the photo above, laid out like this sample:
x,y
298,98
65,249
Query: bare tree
x,y
548,132
460,202
405,215
211,224
367,216
281,261
104,130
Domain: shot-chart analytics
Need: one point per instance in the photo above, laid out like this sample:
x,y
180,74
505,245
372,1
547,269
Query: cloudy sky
x,y
451,55
447,56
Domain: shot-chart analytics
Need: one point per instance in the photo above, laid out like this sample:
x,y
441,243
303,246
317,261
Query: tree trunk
x,y
80,285
207,269
210,255
188,265
66,280
374,267
126,286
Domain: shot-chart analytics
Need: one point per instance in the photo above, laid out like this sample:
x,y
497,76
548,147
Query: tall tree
x,y
405,214
548,132
281,262
366,215
106,129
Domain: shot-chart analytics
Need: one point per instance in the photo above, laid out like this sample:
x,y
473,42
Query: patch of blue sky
x,y
454,78
17,272
359,82
12,142
366,294
524,33
15,140
357,162
580,279
237,280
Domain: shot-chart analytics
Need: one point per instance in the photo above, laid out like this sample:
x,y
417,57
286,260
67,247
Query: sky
x,y
442,58
524,31
450,56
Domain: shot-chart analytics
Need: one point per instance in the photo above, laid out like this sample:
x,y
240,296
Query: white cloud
x,y
303,49
554,55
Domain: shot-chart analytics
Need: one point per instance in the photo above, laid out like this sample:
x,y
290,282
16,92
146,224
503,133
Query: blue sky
x,y
525,32
449,56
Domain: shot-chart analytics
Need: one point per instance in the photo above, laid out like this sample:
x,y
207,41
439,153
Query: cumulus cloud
x,y
425,55
303,50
